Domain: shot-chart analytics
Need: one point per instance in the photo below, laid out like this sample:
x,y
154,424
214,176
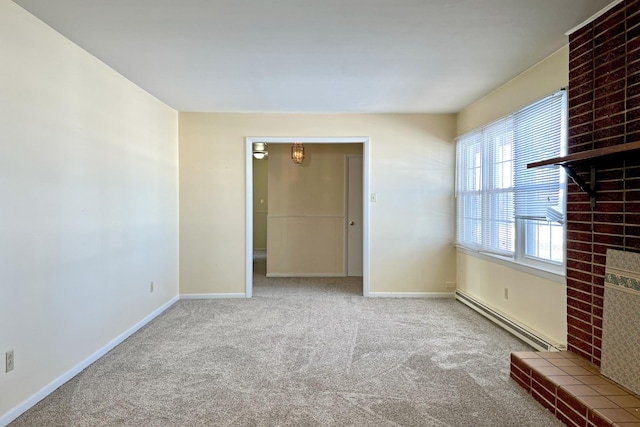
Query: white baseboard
x,y
412,294
211,296
14,413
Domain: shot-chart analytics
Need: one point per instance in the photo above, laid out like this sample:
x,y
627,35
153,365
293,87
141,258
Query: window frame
x,y
519,259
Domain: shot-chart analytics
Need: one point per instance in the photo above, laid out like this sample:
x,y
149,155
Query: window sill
x,y
553,276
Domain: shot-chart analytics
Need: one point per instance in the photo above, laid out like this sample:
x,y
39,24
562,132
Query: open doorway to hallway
x,y
313,214
302,212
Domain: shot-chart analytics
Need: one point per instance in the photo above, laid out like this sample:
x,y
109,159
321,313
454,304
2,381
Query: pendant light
x,y
297,153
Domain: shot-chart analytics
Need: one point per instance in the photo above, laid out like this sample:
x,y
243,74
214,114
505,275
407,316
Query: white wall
x,y
534,301
411,170
88,213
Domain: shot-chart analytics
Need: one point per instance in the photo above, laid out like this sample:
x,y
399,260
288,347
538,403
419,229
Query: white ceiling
x,y
317,55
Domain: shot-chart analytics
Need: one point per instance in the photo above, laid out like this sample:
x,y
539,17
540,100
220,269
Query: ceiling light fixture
x,y
297,153
260,150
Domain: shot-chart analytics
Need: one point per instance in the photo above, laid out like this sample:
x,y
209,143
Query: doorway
x,y
249,200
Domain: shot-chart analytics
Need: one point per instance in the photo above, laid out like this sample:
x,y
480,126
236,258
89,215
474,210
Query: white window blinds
x,y
539,130
485,188
494,186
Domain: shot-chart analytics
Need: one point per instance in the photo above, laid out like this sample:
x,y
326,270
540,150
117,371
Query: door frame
x,y
364,140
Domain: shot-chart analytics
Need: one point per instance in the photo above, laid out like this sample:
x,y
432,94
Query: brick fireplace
x,y
604,110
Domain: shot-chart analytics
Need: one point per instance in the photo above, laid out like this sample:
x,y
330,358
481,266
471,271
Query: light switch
x,y
374,197
262,201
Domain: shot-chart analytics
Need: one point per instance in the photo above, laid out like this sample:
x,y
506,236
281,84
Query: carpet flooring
x,y
302,352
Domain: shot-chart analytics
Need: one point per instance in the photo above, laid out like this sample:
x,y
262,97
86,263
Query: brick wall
x,y
604,110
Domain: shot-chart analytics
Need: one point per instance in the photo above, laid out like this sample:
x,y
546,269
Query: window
x,y
502,207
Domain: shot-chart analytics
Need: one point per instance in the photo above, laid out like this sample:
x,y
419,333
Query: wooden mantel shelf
x,y
592,155
587,155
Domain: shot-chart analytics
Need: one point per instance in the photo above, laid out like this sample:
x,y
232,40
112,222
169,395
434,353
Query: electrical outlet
x,y
9,361
450,285
151,287
506,293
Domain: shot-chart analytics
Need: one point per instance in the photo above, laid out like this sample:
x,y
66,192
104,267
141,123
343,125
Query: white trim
x,y
430,295
364,140
53,385
366,204
511,263
213,296
308,140
594,17
248,214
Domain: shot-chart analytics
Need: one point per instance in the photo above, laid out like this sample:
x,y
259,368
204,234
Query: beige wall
x,y
260,202
307,210
88,183
411,170
542,79
533,301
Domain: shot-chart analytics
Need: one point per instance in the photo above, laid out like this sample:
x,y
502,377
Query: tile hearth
x,y
574,390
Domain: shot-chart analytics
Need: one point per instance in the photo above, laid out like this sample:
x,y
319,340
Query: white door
x,y
354,216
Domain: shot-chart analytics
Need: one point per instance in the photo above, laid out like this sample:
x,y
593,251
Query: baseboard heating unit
x,y
525,335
